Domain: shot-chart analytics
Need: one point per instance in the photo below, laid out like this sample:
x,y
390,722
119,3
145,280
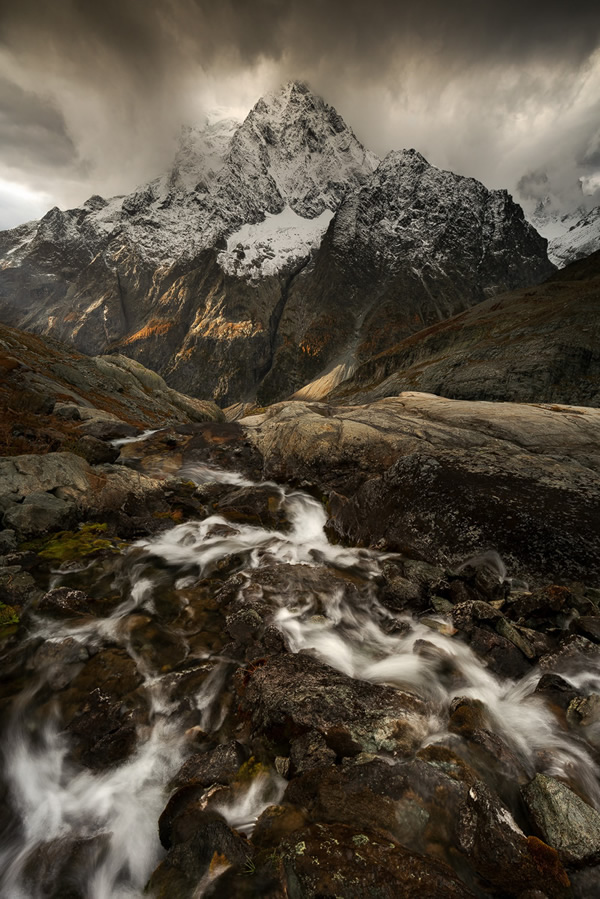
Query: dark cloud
x,y
32,130
150,39
100,88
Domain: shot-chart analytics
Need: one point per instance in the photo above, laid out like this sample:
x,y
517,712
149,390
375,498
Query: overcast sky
x,y
93,92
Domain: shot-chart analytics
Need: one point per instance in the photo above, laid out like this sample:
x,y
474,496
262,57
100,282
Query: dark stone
x,y
8,541
589,626
39,513
219,765
310,751
291,694
62,602
586,883
564,820
501,656
96,451
251,505
556,690
177,877
102,707
337,860
108,430
466,615
59,869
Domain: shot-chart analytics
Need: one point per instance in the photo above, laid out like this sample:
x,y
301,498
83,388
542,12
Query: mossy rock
x,y
66,546
9,620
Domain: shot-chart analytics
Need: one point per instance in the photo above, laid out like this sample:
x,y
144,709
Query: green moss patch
x,y
9,619
66,546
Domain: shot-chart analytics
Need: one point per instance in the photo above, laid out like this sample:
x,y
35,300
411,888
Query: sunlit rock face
x,y
275,252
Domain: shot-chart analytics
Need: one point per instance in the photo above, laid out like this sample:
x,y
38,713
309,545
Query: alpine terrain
x,y
276,252
571,235
345,642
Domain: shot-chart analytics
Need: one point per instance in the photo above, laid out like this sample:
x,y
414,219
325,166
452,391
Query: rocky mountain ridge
x,y
571,235
233,274
529,346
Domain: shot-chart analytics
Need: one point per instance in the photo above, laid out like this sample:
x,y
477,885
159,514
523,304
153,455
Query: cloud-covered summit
x,y
92,95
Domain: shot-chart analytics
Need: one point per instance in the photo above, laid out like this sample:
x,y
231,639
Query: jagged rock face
x,y
527,346
229,276
571,235
582,239
412,247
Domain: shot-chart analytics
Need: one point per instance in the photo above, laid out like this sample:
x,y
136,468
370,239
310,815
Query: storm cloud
x,y
92,95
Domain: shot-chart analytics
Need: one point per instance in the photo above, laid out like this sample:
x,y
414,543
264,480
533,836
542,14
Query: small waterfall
x,y
103,823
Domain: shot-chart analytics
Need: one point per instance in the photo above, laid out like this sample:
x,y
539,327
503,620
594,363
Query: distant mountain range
x,y
277,252
571,235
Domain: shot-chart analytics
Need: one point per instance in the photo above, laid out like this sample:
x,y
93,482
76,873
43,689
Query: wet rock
x,y
17,587
546,602
8,541
584,710
276,823
481,578
368,792
39,513
212,843
501,656
573,655
586,883
96,451
108,429
263,877
219,765
310,751
556,690
178,818
439,479
409,584
563,819
61,659
516,637
244,626
59,869
467,615
104,732
289,695
588,626
336,860
251,505
102,707
160,648
62,602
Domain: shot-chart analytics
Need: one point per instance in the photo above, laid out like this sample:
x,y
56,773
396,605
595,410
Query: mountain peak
x,y
308,150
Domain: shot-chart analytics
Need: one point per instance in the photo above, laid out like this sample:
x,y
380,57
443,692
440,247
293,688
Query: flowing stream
x,y
103,821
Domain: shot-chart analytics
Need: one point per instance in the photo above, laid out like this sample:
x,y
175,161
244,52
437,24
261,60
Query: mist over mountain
x,y
299,459
274,252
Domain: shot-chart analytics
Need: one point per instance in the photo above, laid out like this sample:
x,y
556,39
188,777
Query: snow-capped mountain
x,y
275,250
571,235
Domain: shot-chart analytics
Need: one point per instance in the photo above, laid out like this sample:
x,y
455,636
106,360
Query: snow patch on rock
x,y
580,240
268,247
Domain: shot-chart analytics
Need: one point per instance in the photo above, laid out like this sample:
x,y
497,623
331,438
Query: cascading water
x,y
98,825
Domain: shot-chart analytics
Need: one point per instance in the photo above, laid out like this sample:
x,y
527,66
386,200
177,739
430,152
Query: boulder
x,y
563,819
443,480
39,513
8,541
187,862
219,765
96,451
337,860
288,695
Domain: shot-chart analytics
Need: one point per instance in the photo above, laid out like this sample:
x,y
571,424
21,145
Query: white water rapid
x,y
102,821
